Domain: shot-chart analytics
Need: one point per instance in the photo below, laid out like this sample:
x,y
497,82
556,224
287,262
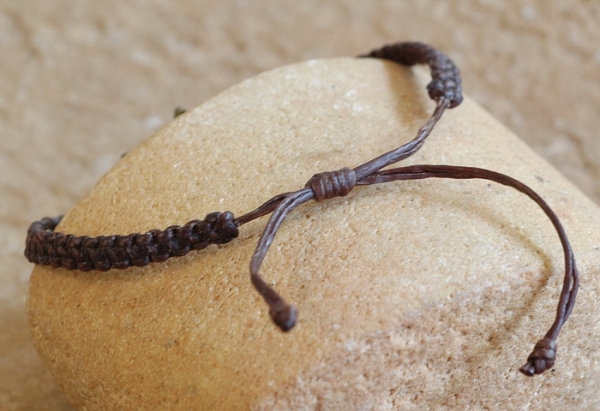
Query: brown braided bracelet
x,y
45,246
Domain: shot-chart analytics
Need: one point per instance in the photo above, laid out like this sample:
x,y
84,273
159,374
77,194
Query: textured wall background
x,y
82,82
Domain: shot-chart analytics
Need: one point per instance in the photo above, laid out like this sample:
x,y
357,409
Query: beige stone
x,y
411,295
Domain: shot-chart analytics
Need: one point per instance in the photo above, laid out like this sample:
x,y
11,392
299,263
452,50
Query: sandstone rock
x,y
411,295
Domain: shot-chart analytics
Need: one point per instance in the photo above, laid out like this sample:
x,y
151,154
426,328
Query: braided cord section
x,y
445,76
44,246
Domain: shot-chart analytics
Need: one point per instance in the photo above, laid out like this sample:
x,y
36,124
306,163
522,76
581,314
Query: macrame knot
x,y
541,358
445,76
47,247
332,184
223,228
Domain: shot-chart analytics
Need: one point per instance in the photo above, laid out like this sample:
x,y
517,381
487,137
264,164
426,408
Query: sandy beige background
x,y
83,82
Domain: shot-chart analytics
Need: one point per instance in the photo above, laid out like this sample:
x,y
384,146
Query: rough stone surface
x,y
412,295
84,82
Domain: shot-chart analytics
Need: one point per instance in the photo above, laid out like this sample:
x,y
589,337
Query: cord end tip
x,y
284,316
528,369
541,358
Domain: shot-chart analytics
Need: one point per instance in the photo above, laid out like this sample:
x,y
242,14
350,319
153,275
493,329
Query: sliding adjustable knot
x,y
223,228
45,246
541,358
332,184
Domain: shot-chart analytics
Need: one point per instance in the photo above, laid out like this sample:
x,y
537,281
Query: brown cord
x,y
47,247
44,246
544,352
445,77
332,183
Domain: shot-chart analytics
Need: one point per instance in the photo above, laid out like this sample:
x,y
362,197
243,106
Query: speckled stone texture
x,y
412,295
84,82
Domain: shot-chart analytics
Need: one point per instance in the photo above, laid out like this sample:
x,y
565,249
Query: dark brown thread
x,y
445,76
44,246
178,111
544,352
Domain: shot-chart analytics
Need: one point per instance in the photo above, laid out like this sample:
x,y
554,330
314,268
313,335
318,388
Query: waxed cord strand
x,y
47,247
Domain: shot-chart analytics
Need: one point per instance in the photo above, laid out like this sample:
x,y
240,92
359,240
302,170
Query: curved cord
x,y
45,246
544,352
327,182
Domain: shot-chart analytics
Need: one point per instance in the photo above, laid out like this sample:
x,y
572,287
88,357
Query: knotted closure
x,y
222,227
44,246
445,76
541,358
332,184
